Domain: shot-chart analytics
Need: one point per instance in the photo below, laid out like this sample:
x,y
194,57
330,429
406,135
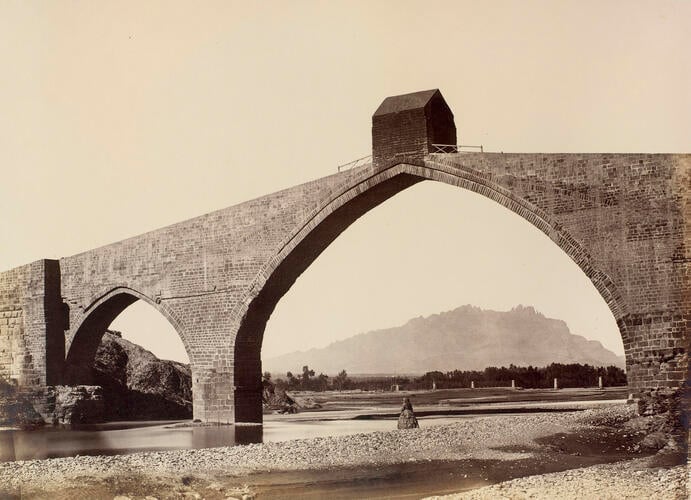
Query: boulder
x,y
655,441
278,400
308,403
16,410
81,404
139,386
128,383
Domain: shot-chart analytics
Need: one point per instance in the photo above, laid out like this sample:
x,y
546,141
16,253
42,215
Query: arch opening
x,y
139,380
342,211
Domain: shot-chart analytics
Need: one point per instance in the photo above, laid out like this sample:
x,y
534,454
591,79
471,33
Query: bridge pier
x,y
218,400
248,381
212,393
32,322
227,385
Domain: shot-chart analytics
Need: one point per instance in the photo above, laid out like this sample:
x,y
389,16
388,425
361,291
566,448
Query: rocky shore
x,y
633,479
494,438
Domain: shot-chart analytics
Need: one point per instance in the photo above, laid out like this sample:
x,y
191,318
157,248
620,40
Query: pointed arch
x,y
360,194
92,323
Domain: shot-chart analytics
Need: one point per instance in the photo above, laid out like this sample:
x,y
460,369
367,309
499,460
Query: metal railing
x,y
436,149
355,163
454,148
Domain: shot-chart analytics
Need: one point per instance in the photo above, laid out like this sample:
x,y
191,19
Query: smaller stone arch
x,y
91,325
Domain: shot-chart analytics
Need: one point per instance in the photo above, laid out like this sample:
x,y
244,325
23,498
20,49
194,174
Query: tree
x,y
306,375
292,381
322,382
341,381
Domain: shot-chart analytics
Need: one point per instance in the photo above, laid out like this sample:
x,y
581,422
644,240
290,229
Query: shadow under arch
x,y
360,194
81,351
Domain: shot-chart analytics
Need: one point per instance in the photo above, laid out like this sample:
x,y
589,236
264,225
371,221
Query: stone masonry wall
x,y
630,214
12,347
11,343
29,314
397,133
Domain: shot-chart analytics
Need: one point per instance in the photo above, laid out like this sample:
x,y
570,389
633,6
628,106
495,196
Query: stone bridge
x,y
623,218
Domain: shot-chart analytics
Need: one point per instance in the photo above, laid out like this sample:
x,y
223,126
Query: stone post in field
x,y
407,419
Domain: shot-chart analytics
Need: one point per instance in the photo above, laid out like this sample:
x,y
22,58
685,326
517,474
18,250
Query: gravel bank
x,y
461,440
631,479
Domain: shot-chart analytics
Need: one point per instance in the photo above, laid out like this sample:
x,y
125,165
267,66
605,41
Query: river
x,y
116,438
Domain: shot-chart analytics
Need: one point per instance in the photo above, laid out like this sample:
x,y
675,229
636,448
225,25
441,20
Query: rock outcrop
x,y
81,404
16,410
139,386
277,400
57,405
129,383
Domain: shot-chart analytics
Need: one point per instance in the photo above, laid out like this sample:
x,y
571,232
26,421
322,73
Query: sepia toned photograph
x,y
345,250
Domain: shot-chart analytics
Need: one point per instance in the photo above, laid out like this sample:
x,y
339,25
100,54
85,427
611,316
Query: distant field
x,y
334,400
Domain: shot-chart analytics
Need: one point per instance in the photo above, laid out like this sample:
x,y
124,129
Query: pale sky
x,y
122,117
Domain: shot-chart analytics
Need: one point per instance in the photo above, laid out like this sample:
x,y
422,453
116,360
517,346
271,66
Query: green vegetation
x,y
304,382
530,377
569,375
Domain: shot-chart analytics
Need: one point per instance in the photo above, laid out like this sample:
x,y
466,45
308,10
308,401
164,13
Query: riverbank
x,y
486,450
631,479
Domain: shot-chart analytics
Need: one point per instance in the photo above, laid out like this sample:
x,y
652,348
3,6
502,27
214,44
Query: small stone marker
x,y
513,384
407,418
556,384
472,384
599,382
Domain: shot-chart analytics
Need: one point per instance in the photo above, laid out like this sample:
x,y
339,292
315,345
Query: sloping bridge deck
x,y
218,277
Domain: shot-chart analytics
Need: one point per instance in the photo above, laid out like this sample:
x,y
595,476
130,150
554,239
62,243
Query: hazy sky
x,y
122,117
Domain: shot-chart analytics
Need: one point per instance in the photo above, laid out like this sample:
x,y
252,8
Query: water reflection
x,y
118,438
7,453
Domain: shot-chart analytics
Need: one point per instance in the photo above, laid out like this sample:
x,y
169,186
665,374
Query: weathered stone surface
x,y
672,406
16,409
82,404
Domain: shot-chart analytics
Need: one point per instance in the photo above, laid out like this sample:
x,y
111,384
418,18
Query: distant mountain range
x,y
467,338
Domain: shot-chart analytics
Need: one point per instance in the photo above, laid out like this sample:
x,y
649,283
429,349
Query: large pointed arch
x,y
347,203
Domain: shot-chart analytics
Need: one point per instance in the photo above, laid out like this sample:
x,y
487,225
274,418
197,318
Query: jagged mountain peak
x,y
465,338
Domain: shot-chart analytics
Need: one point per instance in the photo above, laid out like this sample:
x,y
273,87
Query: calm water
x,y
128,437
